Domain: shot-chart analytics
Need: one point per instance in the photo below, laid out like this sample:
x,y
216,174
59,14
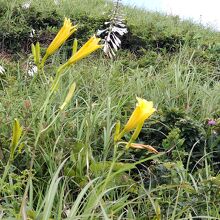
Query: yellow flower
x,y
90,46
143,110
63,34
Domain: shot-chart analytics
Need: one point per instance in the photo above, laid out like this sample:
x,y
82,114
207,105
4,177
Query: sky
x,y
205,11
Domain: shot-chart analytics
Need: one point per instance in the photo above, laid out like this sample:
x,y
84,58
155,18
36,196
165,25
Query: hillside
x,y
62,158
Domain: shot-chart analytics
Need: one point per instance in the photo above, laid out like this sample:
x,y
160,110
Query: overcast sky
x,y
204,11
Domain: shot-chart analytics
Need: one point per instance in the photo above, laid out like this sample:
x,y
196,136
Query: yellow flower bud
x,y
69,96
17,131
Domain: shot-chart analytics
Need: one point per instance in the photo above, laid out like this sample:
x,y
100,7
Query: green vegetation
x,y
64,164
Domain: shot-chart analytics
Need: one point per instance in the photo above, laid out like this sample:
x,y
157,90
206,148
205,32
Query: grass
x,y
67,165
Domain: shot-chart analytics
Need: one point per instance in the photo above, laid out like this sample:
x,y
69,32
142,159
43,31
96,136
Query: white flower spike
x,y
2,70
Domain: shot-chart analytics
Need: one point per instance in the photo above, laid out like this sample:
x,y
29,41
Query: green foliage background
x,y
174,63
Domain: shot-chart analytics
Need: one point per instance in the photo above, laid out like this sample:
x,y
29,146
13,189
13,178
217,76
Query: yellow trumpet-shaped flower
x,y
90,46
63,34
143,110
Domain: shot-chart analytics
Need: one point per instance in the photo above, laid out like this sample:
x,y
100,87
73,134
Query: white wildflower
x,y
26,5
2,70
1,214
32,70
56,2
114,30
32,33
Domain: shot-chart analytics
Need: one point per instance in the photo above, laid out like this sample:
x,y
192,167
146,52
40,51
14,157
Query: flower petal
x,y
143,110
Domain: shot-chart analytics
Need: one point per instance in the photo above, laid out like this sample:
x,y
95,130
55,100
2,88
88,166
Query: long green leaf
x,y
74,208
49,199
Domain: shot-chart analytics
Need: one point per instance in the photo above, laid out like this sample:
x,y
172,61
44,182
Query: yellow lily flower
x,y
63,34
90,46
143,111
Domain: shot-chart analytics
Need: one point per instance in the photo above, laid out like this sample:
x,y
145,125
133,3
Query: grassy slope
x,y
175,64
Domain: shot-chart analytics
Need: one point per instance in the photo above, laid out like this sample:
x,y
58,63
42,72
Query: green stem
x,y
30,176
44,76
44,107
43,130
135,134
44,60
120,135
58,76
6,170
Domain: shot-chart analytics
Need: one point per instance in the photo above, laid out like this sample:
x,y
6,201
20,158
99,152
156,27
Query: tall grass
x,y
78,171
